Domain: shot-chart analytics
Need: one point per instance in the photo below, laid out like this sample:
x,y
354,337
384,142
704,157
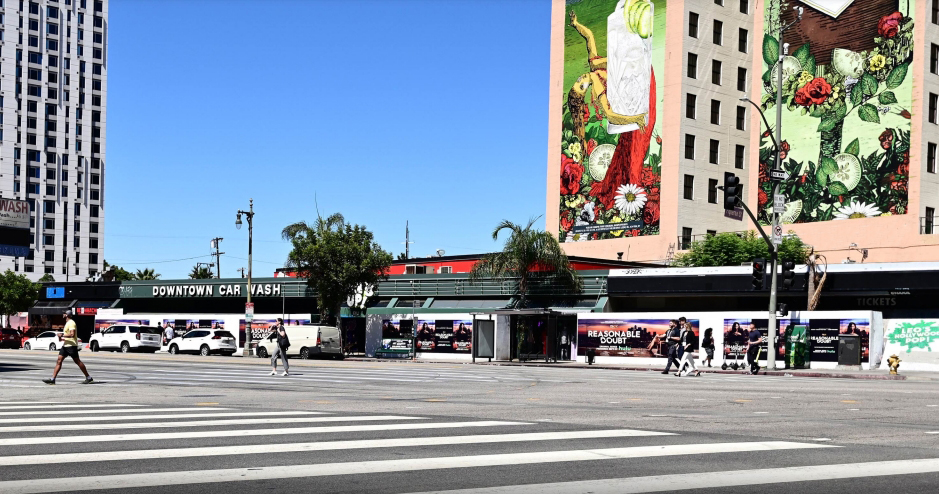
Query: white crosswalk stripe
x,y
205,423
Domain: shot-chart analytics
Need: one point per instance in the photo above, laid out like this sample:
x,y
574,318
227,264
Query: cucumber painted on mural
x,y
846,108
611,149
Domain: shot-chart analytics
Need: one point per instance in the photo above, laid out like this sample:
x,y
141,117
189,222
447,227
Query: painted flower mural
x,y
846,121
610,167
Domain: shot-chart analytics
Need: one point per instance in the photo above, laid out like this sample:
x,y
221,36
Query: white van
x,y
306,342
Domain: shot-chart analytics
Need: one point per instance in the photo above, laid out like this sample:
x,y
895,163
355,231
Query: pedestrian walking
x,y
168,333
687,341
69,349
283,343
755,338
673,338
707,343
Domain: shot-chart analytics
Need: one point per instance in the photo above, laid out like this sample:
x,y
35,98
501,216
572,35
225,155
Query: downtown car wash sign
x,y
220,289
14,228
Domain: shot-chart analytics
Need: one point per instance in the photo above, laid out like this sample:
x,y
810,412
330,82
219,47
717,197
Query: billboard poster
x,y
105,323
611,149
426,335
915,341
824,336
462,336
14,227
847,89
444,336
625,337
396,338
182,326
862,328
736,332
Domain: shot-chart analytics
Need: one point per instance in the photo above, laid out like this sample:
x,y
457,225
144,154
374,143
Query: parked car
x,y
9,338
204,342
306,342
127,339
47,340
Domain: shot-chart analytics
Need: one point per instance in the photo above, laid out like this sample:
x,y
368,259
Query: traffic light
x,y
731,191
783,310
788,276
759,273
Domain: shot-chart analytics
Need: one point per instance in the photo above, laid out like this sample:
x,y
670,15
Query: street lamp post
x,y
249,214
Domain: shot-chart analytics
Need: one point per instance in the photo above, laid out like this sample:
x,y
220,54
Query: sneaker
x,y
273,373
284,374
664,372
49,381
88,380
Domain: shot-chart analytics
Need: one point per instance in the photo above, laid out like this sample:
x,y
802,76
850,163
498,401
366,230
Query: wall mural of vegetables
x,y
846,124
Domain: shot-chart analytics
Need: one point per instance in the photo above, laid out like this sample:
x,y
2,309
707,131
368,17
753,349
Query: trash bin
x,y
849,349
798,348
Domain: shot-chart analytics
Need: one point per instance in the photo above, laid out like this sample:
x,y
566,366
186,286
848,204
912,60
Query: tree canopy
x,y
337,259
200,273
46,278
17,293
529,255
120,274
731,249
146,274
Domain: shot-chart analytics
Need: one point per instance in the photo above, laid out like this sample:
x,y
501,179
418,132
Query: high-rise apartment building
x,y
648,116
53,94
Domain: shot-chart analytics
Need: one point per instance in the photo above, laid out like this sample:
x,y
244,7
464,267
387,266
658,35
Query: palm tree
x,y
531,257
147,274
200,273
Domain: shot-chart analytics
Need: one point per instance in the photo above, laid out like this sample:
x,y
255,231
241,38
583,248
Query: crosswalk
x,y
115,447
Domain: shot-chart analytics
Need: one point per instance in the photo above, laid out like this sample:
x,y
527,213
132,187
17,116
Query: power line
x,y
161,262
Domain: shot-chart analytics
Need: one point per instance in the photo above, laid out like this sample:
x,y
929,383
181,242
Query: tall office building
x,y
53,94
648,116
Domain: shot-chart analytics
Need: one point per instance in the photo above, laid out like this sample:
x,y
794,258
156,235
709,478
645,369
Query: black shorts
x,y
69,351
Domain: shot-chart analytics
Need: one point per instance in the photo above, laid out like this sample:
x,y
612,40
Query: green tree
x,y
119,273
532,257
146,274
46,278
730,249
17,293
200,273
336,259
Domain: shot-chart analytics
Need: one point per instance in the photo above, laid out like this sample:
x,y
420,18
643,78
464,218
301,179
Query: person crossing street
x,y
283,343
69,349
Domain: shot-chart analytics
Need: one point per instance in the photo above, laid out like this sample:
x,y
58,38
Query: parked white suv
x,y
306,342
126,339
204,342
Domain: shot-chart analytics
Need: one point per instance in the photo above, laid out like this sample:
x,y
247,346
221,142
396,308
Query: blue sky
x,y
385,111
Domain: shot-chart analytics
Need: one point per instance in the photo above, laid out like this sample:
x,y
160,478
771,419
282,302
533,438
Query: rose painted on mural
x,y
653,193
815,92
905,157
649,177
650,214
886,139
567,221
783,150
764,198
591,145
571,174
889,25
898,185
904,170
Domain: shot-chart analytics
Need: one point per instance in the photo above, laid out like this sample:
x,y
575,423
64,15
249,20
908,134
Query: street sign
x,y
777,235
779,175
249,311
779,204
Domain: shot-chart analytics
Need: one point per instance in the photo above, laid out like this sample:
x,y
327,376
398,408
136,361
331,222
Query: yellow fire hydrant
x,y
893,362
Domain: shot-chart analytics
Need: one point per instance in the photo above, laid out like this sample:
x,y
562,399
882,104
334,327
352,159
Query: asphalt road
x,y
161,423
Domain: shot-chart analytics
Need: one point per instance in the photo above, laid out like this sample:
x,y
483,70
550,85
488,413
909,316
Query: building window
x,y
931,157
741,118
34,41
93,210
94,228
739,151
693,25
741,79
48,207
744,6
690,105
64,191
50,190
48,240
742,41
50,173
93,195
685,238
929,220
95,179
98,38
935,11
689,147
718,32
716,72
34,57
712,191
692,66
48,224
715,112
92,243
50,255
934,58
34,74
52,28
933,104
689,187
714,151
52,44
93,259
52,12
96,69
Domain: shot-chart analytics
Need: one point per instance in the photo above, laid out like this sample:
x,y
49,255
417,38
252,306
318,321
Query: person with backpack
x,y
283,343
707,343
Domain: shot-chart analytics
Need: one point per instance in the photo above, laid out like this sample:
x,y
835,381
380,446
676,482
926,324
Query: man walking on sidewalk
x,y
69,349
281,350
755,338
672,338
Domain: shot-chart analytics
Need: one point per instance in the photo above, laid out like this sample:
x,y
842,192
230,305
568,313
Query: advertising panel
x,y
847,90
823,334
261,328
611,149
445,336
915,341
14,227
106,322
625,337
396,338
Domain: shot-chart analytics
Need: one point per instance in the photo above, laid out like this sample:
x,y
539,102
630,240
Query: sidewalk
x,y
878,374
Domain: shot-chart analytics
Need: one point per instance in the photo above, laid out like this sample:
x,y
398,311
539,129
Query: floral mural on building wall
x,y
611,152
847,97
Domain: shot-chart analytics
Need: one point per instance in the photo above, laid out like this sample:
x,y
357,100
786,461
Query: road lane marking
x,y
205,423
116,418
163,479
726,479
148,454
121,410
33,407
17,441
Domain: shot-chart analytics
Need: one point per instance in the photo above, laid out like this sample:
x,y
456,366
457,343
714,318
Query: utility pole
x,y
218,256
249,215
407,240
242,272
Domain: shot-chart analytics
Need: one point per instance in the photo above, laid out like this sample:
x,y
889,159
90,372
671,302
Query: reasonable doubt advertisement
x,y
625,337
396,337
823,334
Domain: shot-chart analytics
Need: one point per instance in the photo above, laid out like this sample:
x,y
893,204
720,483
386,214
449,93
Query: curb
x,y
776,373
